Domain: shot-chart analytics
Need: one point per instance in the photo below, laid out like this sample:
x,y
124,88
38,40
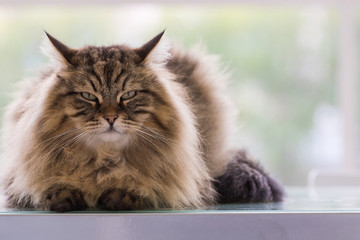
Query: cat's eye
x,y
128,95
88,96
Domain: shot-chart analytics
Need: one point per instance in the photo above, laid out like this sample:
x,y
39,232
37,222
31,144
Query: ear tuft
x,y
154,51
57,51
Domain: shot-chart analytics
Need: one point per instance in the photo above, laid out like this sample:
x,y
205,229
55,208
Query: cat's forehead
x,y
105,67
108,70
91,55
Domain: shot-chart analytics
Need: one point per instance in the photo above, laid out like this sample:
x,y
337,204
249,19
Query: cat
x,y
121,128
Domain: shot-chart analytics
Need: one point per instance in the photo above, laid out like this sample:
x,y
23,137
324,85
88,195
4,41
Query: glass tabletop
x,y
298,199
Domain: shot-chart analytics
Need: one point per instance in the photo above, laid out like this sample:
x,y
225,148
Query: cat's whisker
x,y
54,138
91,136
157,130
158,134
61,140
139,134
61,145
152,136
146,139
76,140
54,154
149,138
150,132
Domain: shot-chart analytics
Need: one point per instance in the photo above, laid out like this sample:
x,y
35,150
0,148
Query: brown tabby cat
x,y
119,128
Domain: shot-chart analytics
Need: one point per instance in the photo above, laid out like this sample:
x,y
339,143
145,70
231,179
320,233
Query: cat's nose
x,y
110,119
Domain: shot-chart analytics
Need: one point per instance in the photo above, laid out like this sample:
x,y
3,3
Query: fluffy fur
x,y
122,128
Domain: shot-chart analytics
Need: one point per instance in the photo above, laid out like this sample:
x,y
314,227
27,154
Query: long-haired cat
x,y
122,128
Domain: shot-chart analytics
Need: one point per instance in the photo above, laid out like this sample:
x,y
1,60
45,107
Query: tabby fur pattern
x,y
121,128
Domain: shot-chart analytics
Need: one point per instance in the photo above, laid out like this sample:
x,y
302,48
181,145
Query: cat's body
x,y
121,128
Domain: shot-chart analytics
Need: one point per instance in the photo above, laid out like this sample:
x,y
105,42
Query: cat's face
x,y
111,104
108,95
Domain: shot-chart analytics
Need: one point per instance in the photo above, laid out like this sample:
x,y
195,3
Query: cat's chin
x,y
113,137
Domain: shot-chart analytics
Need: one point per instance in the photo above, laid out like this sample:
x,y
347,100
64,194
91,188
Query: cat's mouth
x,y
112,134
111,130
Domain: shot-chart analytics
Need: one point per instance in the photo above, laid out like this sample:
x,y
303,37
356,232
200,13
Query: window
x,y
294,114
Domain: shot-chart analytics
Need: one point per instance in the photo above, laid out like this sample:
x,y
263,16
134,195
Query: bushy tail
x,y
246,182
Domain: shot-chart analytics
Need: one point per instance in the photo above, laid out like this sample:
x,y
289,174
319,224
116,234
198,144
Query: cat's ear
x,y
155,51
57,51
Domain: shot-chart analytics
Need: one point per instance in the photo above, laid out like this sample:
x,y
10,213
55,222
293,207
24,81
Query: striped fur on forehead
x,y
91,54
108,73
110,66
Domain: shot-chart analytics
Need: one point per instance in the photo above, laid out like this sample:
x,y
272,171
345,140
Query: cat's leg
x,y
63,198
121,199
246,182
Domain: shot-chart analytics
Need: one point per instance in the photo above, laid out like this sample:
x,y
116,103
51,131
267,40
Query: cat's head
x,y
110,94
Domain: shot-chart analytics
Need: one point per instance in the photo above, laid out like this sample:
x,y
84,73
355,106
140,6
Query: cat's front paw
x,y
64,198
121,199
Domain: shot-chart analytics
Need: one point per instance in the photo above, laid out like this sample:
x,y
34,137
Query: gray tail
x,y
246,182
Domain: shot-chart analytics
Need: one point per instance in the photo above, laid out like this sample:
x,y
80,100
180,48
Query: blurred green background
x,y
281,62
